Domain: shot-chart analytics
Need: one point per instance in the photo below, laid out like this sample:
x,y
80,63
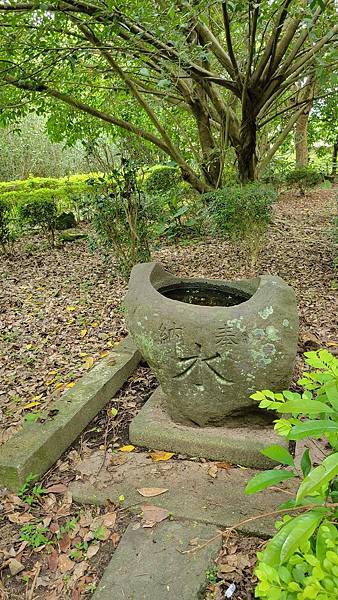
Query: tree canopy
x,y
190,77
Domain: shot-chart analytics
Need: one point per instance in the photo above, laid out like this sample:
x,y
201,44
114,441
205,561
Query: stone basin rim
x,y
203,307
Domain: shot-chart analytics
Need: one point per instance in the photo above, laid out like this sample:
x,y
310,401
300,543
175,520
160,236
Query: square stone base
x,y
154,428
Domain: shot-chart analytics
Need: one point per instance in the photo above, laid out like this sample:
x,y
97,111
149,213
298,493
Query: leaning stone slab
x,y
192,493
149,563
37,446
237,443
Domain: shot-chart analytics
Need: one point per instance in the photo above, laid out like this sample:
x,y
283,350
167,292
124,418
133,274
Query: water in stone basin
x,y
204,294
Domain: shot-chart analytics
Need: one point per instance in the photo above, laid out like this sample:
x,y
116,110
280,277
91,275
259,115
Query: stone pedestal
x,y
238,443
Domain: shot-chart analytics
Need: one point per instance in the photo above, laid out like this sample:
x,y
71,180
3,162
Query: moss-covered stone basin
x,y
212,343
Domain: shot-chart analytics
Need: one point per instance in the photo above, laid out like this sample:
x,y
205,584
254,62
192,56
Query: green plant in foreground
x,y
34,535
301,561
303,178
30,493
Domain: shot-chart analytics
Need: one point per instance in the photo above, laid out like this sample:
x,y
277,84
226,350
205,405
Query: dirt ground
x,y
61,311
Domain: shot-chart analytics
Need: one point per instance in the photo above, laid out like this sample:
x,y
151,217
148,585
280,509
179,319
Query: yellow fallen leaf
x,y
37,397
84,332
51,381
159,455
150,492
83,354
52,372
71,308
70,384
59,385
212,471
104,354
95,324
31,405
88,363
29,346
129,448
70,321
116,343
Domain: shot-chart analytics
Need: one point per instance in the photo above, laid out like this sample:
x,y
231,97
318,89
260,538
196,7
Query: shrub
x,y
303,178
242,213
301,560
39,211
117,211
161,179
4,225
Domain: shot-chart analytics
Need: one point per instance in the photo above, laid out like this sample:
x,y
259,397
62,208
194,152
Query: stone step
x,y
149,563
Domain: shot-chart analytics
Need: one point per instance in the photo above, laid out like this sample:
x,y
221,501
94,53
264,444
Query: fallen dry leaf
x,y
65,564
58,488
159,455
88,363
115,538
128,448
20,518
153,514
53,559
150,492
92,550
65,542
223,465
109,519
212,471
15,566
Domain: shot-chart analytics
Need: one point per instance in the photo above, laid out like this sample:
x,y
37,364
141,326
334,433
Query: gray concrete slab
x,y
236,443
192,493
37,446
148,564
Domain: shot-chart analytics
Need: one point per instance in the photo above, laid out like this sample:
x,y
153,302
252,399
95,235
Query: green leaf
x,y
331,390
325,531
266,479
279,454
312,429
285,540
306,407
319,477
305,462
303,528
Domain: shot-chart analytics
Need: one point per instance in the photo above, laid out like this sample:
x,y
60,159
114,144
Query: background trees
x,y
190,78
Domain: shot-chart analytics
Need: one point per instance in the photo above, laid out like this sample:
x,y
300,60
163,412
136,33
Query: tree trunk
x,y
301,127
334,158
246,150
301,145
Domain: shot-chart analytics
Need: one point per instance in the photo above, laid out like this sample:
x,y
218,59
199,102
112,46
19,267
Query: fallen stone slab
x,y
37,446
149,563
236,443
192,493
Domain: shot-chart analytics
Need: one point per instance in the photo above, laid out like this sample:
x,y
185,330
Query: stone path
x,y
148,564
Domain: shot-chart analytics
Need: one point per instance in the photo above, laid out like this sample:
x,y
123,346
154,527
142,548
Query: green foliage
x,y
309,572
4,224
161,178
303,178
242,212
34,535
39,211
301,561
118,213
174,210
29,493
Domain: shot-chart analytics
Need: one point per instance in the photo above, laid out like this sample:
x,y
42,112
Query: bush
x,y
242,213
303,178
39,211
301,560
173,208
118,214
4,224
161,179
